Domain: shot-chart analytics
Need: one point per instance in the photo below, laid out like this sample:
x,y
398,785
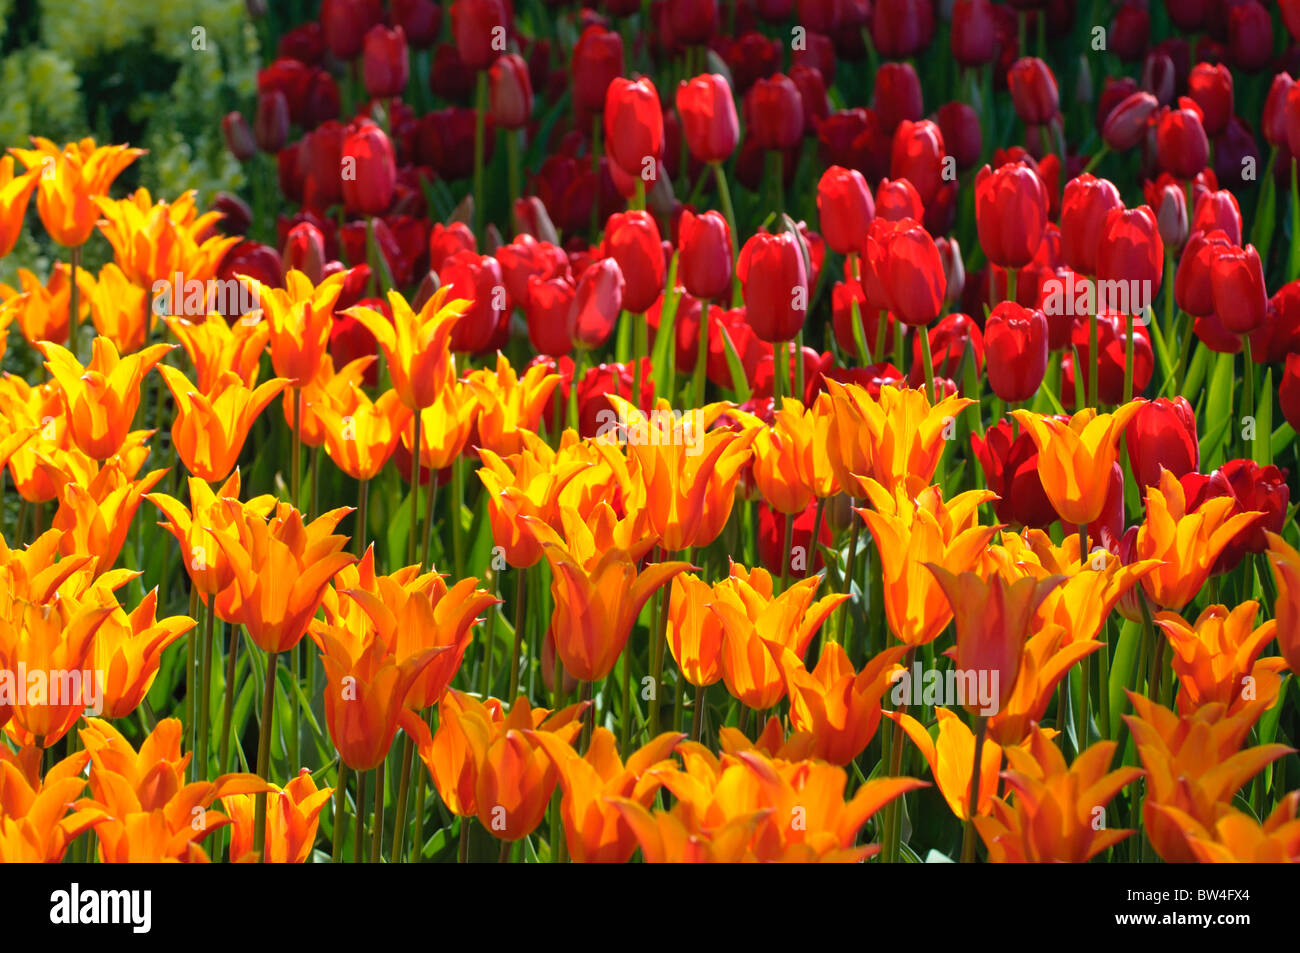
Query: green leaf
x,y
1218,411
664,352
1121,669
1261,233
1262,445
737,370
1196,371
1283,436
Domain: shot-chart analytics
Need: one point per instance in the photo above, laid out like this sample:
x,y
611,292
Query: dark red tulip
x,y
419,19
751,58
954,269
1159,77
479,28
1274,121
254,260
1126,124
617,379
369,172
693,21
1015,340
511,92
1253,489
1193,288
1084,207
271,124
1010,465
1131,251
1181,144
599,298
812,95
774,283
818,52
917,155
238,136
345,23
1162,436
323,152
1187,15
305,43
960,128
1279,335
597,60
547,312
385,62
951,339
1130,30
902,28
708,113
1288,395
449,78
476,278
896,95
774,110
1218,210
1170,206
771,541
1250,35
634,124
704,255
1232,148
447,240
1237,281
1113,92
1210,85
913,278
1010,214
973,34
897,199
1033,91
844,208
525,259
632,239
236,215
305,251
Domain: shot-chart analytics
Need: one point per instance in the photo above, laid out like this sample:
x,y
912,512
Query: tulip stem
x,y
363,498
699,379
427,558
660,637
697,715
377,824
1248,405
728,210
968,837
893,819
205,691
480,135
882,326
340,812
413,533
927,362
359,818
848,579
228,707
403,789
1085,666
797,372
1293,259
595,175
520,620
775,178
457,531
191,661
296,462
513,167
1128,359
788,540
1096,159
462,850
74,302
264,749
1093,361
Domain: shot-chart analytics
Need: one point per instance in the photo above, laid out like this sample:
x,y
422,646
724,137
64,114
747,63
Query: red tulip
x,y
1126,124
476,278
344,23
709,121
914,279
597,302
239,137
1084,207
447,240
917,155
1112,338
897,95
902,28
1181,144
950,340
511,92
632,239
525,259
1162,436
1015,340
693,21
1218,210
1288,396
1010,465
897,199
704,255
547,313
634,124
1193,287
1131,251
974,32
771,540
597,60
844,208
370,177
304,250
959,126
1171,215
774,282
385,62
479,29
323,148
1010,214
774,110
1210,86
419,19
1033,91
1250,35
271,124
1237,283
1274,121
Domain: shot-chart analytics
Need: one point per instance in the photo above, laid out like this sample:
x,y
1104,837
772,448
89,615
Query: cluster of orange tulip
x,y
626,535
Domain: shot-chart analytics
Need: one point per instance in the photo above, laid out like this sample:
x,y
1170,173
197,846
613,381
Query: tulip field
x,y
520,431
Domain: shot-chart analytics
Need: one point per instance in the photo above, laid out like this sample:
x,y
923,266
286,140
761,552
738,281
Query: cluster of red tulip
x,y
969,579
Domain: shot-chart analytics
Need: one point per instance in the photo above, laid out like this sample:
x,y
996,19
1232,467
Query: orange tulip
x,y
772,742
1194,763
329,388
281,569
14,194
1053,813
994,619
839,707
594,828
508,404
785,459
128,649
292,815
36,825
694,631
756,627
299,317
70,180
951,758
1075,458
119,309
445,426
1238,838
167,247
896,440
909,534
1216,658
597,590
361,434
42,309
465,729
1048,657
210,429
38,412
95,519
1189,543
215,345
101,398
1285,563
416,344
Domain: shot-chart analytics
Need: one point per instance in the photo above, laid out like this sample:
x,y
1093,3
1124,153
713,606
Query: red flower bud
x,y
1033,91
1084,207
239,138
1010,465
271,124
774,110
1015,341
597,60
774,282
385,62
1210,85
547,312
632,239
897,95
918,155
1126,124
369,171
974,32
511,92
1193,289
634,124
1237,280
1010,214
597,303
1181,145
708,114
704,255
1131,251
304,250
914,279
479,29
1162,436
844,208
477,279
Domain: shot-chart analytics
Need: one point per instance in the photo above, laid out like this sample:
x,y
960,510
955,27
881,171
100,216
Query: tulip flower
x,y
369,171
1010,214
14,195
704,248
507,405
1033,91
37,826
597,61
1084,207
299,319
215,345
594,828
1237,838
167,245
1162,436
41,310
786,467
95,517
71,179
291,821
774,113
1237,282
913,278
385,63
951,758
1075,458
844,207
476,280
601,295
634,125
119,309
839,707
361,434
1051,815
128,649
1285,563
917,155
1189,541
1010,465
1015,340
632,240
102,397
973,32
774,282
694,632
1181,144
1216,658
708,113
210,429
416,344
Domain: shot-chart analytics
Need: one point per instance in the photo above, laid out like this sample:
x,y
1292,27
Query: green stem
x,y
296,462
969,836
228,705
520,620
413,528
377,826
403,787
205,691
264,750
848,578
340,812
74,303
363,498
729,211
